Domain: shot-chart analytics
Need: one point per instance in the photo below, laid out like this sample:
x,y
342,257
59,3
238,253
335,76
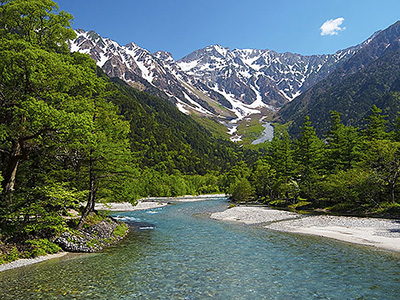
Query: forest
x,y
350,170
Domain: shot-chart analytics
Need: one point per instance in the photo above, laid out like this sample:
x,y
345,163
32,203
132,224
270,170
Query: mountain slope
x,y
153,73
367,78
165,139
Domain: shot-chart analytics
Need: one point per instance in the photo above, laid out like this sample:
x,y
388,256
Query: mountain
x,y
370,76
214,81
259,77
155,73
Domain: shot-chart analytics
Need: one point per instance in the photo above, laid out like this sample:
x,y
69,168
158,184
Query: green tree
x,y
38,98
281,156
383,158
264,181
309,153
354,189
343,145
38,22
236,174
52,105
376,124
242,191
106,154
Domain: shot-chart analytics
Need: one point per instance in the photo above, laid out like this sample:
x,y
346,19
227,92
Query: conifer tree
x,y
309,151
376,124
342,145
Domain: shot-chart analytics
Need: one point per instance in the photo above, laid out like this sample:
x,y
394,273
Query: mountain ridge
x,y
215,80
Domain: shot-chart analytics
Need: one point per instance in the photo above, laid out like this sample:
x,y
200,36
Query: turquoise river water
x,y
177,252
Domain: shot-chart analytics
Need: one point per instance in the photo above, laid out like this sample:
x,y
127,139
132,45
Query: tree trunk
x,y
8,183
92,194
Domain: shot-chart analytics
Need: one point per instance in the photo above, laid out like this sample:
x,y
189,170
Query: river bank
x,y
373,232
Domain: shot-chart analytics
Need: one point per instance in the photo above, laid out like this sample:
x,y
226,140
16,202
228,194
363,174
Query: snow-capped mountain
x,y
259,77
214,81
141,69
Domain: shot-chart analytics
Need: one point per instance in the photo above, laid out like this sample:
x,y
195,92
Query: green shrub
x,y
120,230
93,219
12,255
41,247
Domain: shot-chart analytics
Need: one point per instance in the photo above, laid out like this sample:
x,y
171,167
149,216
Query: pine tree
x,y
309,152
376,124
343,145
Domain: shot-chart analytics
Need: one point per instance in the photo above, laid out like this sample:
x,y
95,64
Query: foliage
x,y
41,247
164,139
121,230
352,171
242,191
12,255
70,135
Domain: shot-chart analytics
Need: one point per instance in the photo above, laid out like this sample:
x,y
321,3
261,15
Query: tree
x,y
53,105
236,174
281,156
309,150
36,81
242,191
376,124
264,181
108,156
343,145
38,22
383,158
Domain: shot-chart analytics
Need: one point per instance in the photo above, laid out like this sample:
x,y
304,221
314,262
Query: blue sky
x,y
182,26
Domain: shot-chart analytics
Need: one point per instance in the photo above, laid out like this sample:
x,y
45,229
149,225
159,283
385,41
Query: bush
x,y
12,255
120,230
41,247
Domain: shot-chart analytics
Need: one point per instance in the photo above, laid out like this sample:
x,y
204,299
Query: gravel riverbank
x,y
30,261
380,233
150,203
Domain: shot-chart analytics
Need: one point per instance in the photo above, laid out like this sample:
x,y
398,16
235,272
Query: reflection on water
x,y
188,256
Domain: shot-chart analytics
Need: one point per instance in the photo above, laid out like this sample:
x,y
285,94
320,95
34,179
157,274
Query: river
x,y
266,135
177,252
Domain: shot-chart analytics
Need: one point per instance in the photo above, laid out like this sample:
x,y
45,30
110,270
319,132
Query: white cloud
x,y
332,27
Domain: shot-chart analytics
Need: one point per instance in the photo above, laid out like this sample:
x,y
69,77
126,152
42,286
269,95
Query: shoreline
x,y
371,232
22,262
